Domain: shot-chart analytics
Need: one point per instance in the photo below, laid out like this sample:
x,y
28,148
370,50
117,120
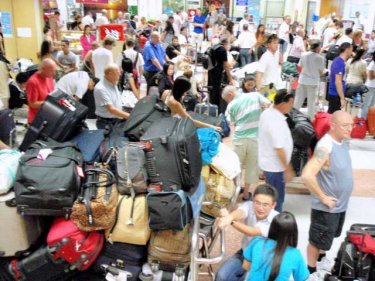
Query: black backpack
x,y
208,59
301,128
333,52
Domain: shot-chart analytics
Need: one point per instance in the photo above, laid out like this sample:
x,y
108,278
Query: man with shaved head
x,y
39,86
329,177
108,98
154,56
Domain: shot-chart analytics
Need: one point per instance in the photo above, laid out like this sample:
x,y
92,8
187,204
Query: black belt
x,y
108,119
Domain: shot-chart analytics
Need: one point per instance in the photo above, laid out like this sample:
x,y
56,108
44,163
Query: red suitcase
x,y
371,121
321,123
78,248
359,129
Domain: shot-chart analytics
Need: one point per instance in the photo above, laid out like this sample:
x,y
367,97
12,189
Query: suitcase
x,y
149,273
359,129
371,121
60,118
189,102
78,248
146,111
170,249
321,123
8,169
219,121
8,127
301,128
207,108
173,154
48,187
18,233
123,256
41,266
89,142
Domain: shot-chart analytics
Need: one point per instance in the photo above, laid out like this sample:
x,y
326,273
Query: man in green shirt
x,y
243,112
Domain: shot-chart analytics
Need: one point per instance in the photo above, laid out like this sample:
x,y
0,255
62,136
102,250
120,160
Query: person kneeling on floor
x,y
108,98
257,216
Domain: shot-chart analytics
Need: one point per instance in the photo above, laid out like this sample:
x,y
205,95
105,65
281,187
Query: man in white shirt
x,y
257,216
348,37
298,47
88,20
102,56
177,23
268,70
357,21
312,64
76,84
276,144
182,39
102,19
242,22
328,34
284,36
246,41
371,43
133,55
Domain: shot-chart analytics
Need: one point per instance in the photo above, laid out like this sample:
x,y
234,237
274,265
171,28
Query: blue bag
x,y
196,198
89,141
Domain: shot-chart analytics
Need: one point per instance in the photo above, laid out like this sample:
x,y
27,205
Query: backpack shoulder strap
x,y
136,59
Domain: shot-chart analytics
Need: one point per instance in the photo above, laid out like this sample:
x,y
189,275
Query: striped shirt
x,y
244,111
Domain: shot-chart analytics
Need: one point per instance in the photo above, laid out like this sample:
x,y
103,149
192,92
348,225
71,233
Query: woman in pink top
x,y
86,39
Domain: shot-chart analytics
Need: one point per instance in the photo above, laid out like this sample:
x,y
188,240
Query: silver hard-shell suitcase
x,y
17,233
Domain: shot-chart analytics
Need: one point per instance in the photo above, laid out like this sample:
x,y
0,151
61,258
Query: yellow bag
x,y
219,190
131,224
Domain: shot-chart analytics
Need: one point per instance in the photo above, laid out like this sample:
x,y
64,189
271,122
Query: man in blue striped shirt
x,y
244,111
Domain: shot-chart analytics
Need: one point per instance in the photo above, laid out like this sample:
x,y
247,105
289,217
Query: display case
x,y
73,37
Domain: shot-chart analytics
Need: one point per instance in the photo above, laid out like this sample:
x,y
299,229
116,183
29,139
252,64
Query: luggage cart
x,y
205,233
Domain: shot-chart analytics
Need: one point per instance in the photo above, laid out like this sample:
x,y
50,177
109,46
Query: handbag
x,y
219,191
95,208
131,224
226,162
128,99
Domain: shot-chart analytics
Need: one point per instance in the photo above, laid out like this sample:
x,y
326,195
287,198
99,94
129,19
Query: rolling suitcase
x,y
359,129
41,266
121,256
207,108
18,232
173,154
60,118
8,127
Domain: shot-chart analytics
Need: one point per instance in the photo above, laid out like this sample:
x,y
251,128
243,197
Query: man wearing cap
x,y
312,64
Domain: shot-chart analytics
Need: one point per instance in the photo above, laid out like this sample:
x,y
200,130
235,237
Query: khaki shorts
x,y
247,151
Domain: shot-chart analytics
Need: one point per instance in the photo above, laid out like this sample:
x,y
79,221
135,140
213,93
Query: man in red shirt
x,y
39,86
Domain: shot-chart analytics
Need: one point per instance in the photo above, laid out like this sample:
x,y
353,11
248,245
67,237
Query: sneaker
x,y
316,276
325,264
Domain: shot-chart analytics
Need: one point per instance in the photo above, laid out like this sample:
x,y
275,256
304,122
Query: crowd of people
x,y
261,137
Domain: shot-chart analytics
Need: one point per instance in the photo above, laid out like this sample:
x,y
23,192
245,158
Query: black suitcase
x,y
146,111
122,256
301,128
48,187
7,127
173,154
41,266
60,118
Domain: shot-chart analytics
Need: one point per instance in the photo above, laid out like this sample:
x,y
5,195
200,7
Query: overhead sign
x,y
114,30
6,23
242,2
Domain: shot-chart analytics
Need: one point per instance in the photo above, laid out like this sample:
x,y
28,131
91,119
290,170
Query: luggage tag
x,y
44,153
67,104
80,172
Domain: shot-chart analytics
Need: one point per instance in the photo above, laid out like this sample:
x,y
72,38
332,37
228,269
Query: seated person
x,y
173,99
164,79
76,84
257,216
108,101
174,49
18,100
276,257
67,58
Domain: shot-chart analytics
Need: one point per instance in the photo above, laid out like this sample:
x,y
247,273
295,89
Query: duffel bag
x,y
77,247
209,140
169,249
48,179
359,129
173,154
123,257
131,224
95,208
167,210
353,89
131,169
146,111
219,190
321,123
301,128
226,162
89,142
8,169
289,68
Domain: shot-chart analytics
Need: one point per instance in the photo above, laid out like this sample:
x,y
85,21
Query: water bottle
x,y
357,99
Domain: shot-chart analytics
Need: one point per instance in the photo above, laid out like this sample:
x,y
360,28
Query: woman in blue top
x,y
276,258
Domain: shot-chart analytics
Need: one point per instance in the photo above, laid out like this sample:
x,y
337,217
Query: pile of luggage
x,y
93,203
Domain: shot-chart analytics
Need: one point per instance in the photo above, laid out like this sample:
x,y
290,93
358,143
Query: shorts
x,y
247,151
283,47
324,228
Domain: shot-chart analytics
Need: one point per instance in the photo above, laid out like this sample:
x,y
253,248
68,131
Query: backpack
x,y
333,52
208,59
124,60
